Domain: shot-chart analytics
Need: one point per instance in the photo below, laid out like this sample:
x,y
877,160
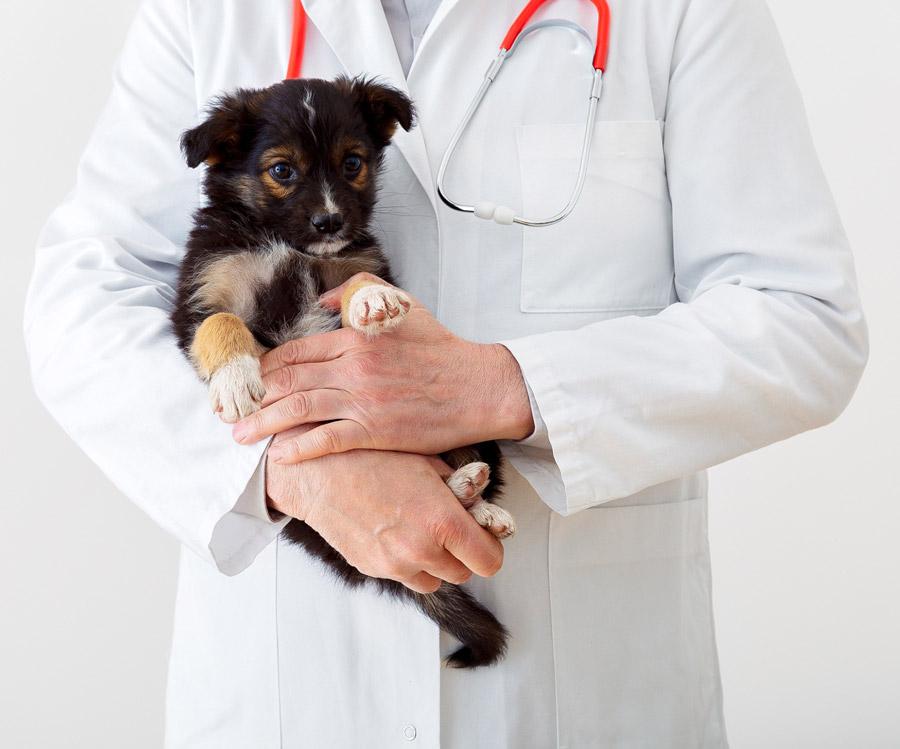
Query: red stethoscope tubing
x,y
295,61
601,52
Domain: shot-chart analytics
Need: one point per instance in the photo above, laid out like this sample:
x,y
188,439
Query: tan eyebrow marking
x,y
343,148
277,155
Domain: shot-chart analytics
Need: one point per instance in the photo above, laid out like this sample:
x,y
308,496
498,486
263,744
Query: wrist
x,y
283,495
507,402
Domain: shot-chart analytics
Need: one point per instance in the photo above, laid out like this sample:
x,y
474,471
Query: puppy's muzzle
x,y
327,223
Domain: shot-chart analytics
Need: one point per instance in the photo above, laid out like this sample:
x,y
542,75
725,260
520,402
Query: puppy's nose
x,y
328,223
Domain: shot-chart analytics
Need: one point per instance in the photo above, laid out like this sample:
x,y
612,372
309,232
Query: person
x,y
699,303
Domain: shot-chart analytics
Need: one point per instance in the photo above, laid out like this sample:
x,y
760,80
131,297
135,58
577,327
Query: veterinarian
x,y
699,303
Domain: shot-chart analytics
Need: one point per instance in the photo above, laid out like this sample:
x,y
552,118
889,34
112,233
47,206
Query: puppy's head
x,y
300,158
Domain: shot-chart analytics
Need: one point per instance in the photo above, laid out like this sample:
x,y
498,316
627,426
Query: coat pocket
x,y
614,252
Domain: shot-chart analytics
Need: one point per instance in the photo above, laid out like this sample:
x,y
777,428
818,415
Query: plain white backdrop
x,y
805,534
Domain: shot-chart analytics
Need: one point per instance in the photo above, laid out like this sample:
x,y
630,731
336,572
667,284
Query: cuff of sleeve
x,y
248,527
533,456
539,437
571,488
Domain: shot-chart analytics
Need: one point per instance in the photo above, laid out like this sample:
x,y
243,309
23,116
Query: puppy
x,y
291,183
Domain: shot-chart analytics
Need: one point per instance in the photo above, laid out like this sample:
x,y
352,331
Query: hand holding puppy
x,y
417,389
389,514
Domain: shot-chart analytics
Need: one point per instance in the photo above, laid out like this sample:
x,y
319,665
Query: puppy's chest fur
x,y
275,288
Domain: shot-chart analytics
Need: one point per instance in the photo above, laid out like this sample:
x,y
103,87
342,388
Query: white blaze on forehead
x,y
307,105
328,197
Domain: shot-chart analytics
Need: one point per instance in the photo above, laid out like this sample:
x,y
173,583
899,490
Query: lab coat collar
x,y
368,49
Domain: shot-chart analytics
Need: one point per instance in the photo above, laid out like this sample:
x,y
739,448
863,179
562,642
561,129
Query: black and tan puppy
x,y
291,185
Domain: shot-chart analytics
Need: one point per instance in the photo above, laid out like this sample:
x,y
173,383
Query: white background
x,y
805,534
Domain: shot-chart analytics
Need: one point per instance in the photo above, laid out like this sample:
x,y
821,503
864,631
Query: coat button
x,y
409,732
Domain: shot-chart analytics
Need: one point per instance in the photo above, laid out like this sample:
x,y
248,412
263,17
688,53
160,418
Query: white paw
x,y
376,308
236,389
494,518
470,480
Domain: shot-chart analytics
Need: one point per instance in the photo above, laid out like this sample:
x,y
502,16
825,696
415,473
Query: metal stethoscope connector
x,y
502,214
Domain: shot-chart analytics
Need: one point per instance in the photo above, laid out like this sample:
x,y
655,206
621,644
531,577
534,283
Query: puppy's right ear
x,y
226,131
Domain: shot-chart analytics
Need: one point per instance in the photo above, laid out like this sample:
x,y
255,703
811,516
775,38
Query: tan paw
x,y
376,308
236,389
468,481
494,518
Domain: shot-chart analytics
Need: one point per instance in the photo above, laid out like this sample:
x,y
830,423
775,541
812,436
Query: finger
x,y
291,433
422,583
314,348
475,548
334,437
281,382
440,467
449,568
297,408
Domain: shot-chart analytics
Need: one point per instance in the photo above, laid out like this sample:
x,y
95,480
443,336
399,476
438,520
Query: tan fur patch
x,y
230,283
390,130
219,339
361,180
277,155
275,188
251,191
344,148
348,295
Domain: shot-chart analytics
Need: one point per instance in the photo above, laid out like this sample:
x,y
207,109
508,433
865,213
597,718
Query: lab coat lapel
x,y
358,33
440,16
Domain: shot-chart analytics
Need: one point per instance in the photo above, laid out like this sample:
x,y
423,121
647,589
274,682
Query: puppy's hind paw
x,y
236,389
375,308
468,481
494,518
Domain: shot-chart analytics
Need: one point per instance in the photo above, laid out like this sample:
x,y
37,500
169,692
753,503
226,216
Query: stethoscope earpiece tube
x,y
501,214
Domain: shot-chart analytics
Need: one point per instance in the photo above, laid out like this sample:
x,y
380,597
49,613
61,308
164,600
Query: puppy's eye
x,y
352,165
283,172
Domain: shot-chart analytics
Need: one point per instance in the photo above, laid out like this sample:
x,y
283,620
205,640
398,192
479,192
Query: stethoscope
x,y
518,31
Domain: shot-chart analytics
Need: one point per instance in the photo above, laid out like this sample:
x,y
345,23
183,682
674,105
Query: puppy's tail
x,y
454,610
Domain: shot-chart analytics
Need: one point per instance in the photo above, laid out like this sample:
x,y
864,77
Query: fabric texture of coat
x,y
699,303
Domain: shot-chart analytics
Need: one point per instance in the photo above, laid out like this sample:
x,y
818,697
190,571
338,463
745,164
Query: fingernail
x,y
240,431
275,455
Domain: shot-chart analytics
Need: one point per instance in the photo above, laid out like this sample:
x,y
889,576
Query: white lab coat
x,y
699,303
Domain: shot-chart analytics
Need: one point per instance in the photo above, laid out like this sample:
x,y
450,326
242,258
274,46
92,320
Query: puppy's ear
x,y
226,131
383,108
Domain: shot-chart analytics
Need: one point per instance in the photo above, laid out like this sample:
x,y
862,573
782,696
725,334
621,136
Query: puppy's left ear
x,y
383,108
225,134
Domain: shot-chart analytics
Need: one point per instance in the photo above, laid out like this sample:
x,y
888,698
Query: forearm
x,y
97,318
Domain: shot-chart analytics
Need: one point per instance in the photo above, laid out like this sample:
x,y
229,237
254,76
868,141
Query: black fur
x,y
315,124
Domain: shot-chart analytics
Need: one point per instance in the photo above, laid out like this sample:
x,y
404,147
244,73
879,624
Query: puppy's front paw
x,y
375,308
494,518
468,481
236,388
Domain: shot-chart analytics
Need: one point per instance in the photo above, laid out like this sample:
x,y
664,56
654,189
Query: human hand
x,y
389,514
418,388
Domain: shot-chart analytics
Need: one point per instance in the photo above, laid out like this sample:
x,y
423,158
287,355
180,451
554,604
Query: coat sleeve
x,y
103,358
767,338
